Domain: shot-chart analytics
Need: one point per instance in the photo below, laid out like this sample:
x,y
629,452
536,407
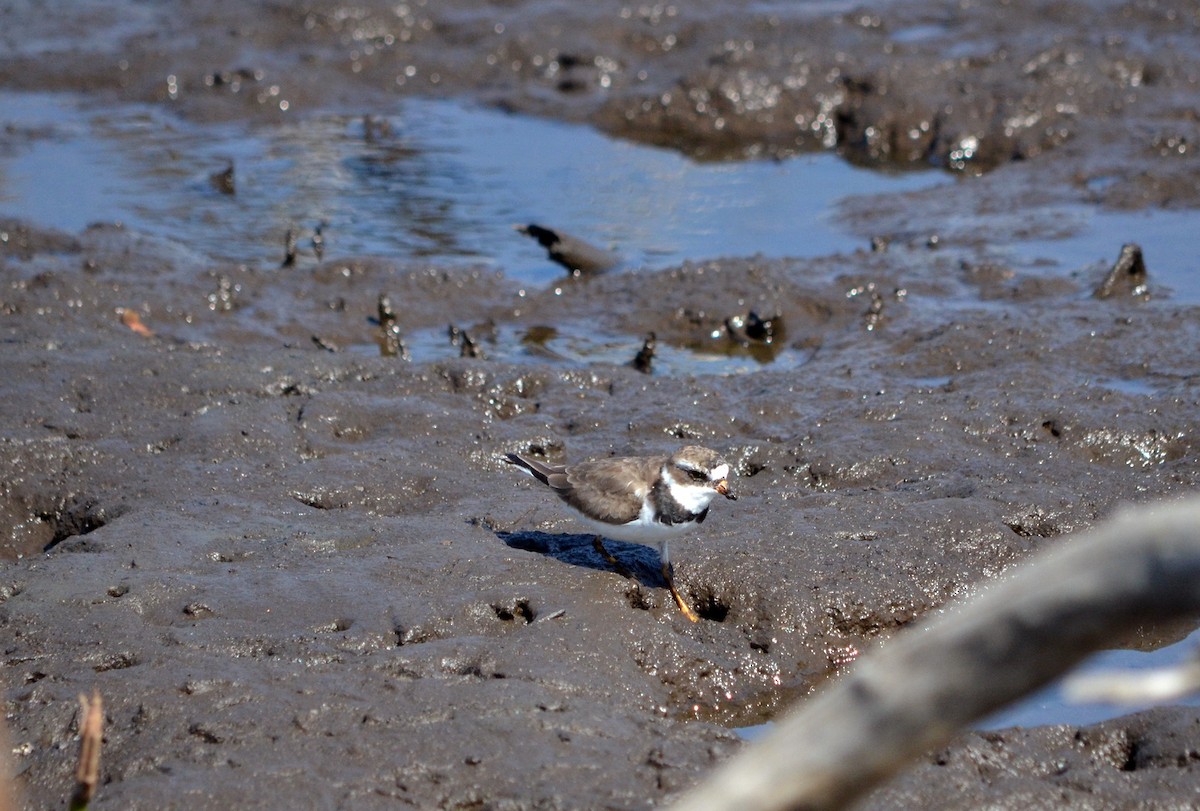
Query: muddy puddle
x,y
1050,706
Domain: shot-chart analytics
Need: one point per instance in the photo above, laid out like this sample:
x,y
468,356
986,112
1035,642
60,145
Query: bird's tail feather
x,y
530,467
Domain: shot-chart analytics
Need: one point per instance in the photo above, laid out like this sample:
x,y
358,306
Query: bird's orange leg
x,y
684,607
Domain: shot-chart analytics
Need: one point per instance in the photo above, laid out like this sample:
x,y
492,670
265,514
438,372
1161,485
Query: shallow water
x,y
1050,706
445,181
433,179
1171,253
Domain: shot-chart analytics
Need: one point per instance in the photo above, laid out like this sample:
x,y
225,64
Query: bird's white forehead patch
x,y
719,472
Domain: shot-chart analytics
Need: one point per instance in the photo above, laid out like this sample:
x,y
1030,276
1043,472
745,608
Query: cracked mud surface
x,y
304,577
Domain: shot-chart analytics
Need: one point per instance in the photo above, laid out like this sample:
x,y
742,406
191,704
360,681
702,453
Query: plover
x,y
641,499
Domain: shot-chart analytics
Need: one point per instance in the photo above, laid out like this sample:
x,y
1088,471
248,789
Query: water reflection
x,y
432,180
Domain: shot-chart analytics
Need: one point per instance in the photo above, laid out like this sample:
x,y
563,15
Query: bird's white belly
x,y
644,529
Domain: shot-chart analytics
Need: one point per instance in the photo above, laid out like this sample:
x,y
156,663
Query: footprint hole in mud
x,y
710,606
75,518
639,599
541,447
1121,748
751,468
1053,427
515,611
488,522
230,557
42,522
205,734
760,639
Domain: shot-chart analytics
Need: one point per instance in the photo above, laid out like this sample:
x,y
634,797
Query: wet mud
x,y
296,566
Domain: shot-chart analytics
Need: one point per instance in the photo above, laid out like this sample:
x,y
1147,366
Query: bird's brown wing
x,y
609,488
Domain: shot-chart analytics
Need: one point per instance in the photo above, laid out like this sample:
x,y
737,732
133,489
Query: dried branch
x,y
916,692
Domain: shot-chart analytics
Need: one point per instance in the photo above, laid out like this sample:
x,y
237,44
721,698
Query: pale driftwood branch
x,y
912,695
1134,686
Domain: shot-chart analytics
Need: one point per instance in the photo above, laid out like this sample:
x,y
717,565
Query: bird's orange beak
x,y
723,488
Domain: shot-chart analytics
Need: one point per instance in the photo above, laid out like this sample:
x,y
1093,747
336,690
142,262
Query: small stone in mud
x,y
289,246
879,244
223,299
223,181
874,314
131,319
233,78
644,359
318,242
390,344
573,253
1128,274
753,328
873,317
384,310
467,347
376,129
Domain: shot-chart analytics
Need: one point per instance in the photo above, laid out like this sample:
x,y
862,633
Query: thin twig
x,y
91,734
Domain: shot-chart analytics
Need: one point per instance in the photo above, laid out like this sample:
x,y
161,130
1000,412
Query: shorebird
x,y
642,499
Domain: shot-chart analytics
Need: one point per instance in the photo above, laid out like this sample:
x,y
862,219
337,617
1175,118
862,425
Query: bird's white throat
x,y
694,498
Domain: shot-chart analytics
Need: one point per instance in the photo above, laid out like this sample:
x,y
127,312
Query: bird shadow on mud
x,y
641,562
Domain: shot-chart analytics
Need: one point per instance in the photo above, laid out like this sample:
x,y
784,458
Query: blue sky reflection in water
x,y
433,179
1049,705
443,181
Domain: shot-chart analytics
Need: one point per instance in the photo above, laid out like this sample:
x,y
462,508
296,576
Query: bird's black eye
x,y
697,475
